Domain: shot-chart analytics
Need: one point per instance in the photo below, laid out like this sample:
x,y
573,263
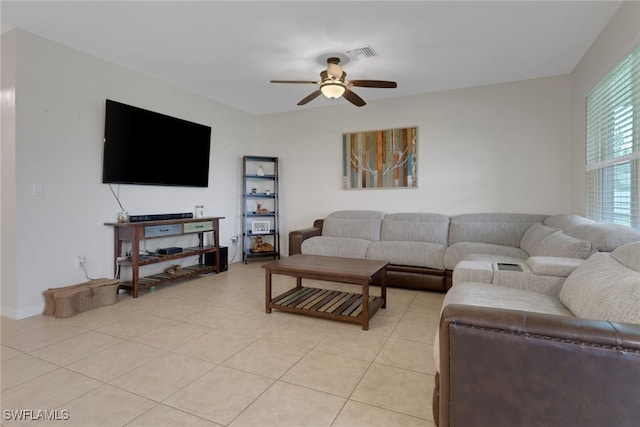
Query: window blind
x,y
613,145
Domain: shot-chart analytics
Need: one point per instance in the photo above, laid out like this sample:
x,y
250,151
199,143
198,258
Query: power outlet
x,y
234,240
80,261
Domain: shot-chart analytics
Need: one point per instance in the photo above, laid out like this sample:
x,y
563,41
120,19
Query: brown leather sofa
x,y
502,367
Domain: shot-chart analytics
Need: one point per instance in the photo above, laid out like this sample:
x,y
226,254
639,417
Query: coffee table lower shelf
x,y
330,304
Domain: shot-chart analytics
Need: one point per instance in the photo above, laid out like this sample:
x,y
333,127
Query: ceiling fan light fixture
x,y
334,71
332,90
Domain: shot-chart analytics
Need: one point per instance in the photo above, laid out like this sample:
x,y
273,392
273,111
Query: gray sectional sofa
x,y
424,248
508,356
541,321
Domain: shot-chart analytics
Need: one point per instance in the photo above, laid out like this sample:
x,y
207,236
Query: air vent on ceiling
x,y
360,52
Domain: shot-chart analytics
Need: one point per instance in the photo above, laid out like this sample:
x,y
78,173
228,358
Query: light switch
x,y
38,189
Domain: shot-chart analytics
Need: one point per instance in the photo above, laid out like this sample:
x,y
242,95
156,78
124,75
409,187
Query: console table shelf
x,y
133,232
162,278
154,258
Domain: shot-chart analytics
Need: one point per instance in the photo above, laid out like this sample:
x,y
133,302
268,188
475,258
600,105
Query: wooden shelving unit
x,y
133,232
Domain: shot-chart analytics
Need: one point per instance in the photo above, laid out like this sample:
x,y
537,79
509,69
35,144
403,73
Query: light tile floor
x,y
203,352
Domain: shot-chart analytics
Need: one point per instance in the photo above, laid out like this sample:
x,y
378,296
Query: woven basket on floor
x,y
69,300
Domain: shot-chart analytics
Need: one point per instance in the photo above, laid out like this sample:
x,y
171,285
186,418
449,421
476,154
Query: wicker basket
x,y
69,300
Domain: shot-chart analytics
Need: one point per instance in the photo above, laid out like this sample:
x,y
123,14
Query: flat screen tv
x,y
148,148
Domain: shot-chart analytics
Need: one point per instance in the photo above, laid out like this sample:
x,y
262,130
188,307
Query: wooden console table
x,y
331,304
135,231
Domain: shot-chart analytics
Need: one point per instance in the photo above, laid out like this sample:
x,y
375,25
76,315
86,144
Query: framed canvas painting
x,y
380,159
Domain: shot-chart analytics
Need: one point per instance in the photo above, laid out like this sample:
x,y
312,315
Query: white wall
x,y
8,291
61,95
493,148
617,40
513,147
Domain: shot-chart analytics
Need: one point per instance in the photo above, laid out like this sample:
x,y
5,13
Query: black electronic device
x,y
169,251
210,258
160,217
509,266
149,148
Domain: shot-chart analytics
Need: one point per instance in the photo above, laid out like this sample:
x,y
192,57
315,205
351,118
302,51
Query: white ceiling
x,y
228,51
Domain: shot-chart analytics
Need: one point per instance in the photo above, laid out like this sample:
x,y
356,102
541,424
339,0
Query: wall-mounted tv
x,y
149,148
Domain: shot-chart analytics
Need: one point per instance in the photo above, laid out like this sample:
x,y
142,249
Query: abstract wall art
x,y
380,159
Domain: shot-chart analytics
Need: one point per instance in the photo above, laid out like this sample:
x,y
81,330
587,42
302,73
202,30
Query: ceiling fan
x,y
333,84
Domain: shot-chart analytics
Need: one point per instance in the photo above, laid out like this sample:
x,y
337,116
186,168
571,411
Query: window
x,y
613,145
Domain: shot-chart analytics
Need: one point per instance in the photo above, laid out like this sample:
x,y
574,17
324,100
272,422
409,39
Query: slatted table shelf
x,y
327,303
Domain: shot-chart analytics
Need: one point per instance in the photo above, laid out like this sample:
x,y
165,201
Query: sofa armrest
x,y
553,266
296,237
507,367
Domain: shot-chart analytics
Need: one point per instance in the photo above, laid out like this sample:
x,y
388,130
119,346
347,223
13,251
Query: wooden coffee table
x,y
331,304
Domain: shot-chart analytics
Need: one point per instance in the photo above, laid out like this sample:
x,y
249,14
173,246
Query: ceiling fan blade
x,y
353,98
295,81
373,83
310,97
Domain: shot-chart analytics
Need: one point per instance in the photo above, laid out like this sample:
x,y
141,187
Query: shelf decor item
x,y
260,246
380,159
260,227
123,217
260,210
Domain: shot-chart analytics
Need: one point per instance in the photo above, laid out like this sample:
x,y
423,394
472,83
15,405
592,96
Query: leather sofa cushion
x,y
540,240
418,254
604,289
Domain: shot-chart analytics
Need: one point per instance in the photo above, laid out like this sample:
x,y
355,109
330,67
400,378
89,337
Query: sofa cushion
x,y
357,224
472,271
418,254
602,288
497,228
494,259
565,221
553,266
628,255
487,295
541,240
459,251
416,227
346,247
533,237
529,281
604,237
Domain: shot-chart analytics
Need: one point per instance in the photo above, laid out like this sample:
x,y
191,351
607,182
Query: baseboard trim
x,y
12,313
